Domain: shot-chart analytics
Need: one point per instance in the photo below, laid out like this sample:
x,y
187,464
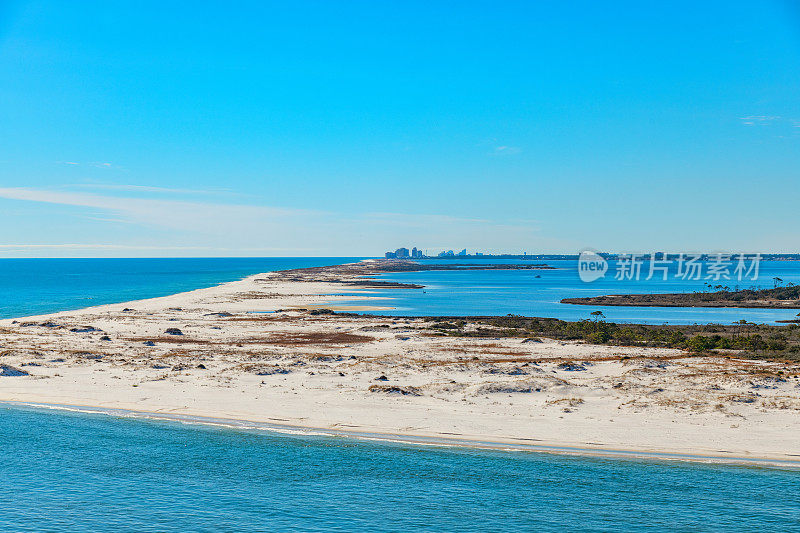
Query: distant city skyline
x,y
331,129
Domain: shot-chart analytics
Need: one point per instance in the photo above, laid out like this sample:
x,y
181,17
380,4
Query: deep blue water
x,y
38,286
79,472
501,292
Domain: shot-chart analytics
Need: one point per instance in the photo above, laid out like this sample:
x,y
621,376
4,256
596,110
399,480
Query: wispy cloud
x,y
420,219
180,227
506,150
94,246
94,164
118,250
767,120
102,246
147,188
498,147
211,218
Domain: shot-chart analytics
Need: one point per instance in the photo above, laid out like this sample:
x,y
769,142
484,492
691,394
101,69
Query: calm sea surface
x,y
538,293
80,472
38,286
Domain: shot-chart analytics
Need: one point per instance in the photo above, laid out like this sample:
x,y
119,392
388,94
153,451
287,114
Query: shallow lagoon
x,y
539,292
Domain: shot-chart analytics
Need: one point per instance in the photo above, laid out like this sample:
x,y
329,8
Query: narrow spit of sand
x,y
251,350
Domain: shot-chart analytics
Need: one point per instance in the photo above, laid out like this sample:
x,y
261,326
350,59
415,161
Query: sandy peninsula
x,y
260,350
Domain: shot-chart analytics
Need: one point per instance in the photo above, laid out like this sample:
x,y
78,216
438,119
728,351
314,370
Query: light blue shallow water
x,y
39,286
78,472
501,292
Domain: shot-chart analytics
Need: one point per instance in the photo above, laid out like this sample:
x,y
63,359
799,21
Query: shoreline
x,y
508,444
333,278
252,350
210,291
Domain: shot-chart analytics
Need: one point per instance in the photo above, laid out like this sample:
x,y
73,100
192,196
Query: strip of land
x,y
268,349
777,298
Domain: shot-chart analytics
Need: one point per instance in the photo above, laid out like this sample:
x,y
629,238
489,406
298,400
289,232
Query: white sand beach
x,y
251,350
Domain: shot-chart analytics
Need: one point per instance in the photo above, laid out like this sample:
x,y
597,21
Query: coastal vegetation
x,y
775,298
742,339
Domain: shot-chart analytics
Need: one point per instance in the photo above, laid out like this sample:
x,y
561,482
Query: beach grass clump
x,y
568,402
395,389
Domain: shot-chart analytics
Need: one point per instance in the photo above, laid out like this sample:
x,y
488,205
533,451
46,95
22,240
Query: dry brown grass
x,y
83,352
480,349
275,339
175,339
507,352
395,389
469,361
570,402
263,318
781,403
307,339
178,353
246,296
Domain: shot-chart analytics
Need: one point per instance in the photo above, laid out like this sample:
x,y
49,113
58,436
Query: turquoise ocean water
x,y
82,472
38,286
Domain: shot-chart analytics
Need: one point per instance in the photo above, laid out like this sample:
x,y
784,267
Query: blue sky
x,y
348,128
